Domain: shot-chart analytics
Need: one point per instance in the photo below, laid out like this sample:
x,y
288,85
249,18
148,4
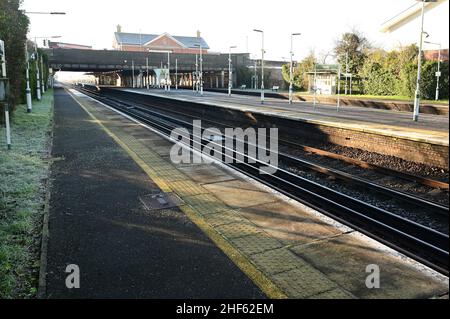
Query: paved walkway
x,y
123,249
98,223
431,128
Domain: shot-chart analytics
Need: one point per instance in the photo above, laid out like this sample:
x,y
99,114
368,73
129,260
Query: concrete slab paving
x,y
276,239
344,260
236,193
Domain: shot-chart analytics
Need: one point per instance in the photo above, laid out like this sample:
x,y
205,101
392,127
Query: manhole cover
x,y
160,201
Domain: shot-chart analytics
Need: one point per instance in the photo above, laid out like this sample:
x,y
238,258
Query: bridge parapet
x,y
110,60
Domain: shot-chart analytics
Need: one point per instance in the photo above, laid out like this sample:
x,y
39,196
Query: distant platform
x,y
430,129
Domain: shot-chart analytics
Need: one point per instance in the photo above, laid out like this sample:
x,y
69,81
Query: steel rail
x,y
414,240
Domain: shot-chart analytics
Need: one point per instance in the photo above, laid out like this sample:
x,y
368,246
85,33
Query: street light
x,y
419,64
438,73
404,18
262,64
291,68
230,72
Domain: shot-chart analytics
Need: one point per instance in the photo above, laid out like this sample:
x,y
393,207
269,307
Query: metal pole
x,y
132,73
4,75
176,74
339,89
419,66
201,71
262,70
438,74
290,72
230,74
168,71
28,90
38,79
346,72
315,85
42,77
196,73
146,64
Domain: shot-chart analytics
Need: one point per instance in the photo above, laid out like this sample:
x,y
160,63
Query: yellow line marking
x,y
240,260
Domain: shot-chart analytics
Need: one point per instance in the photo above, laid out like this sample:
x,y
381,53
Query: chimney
x,y
119,28
198,34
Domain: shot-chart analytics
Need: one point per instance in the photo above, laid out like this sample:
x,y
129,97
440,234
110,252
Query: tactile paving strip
x,y
277,261
223,218
206,204
187,188
255,243
333,294
236,230
303,282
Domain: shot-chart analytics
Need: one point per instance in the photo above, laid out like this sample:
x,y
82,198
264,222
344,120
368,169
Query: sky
x,y
231,22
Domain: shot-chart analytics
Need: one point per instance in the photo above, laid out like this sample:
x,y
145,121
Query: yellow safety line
x,y
259,278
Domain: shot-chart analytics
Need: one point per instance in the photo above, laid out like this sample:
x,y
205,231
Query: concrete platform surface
x,y
286,249
432,129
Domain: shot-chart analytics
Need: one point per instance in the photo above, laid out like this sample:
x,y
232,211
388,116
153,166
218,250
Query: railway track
x,y
417,241
369,184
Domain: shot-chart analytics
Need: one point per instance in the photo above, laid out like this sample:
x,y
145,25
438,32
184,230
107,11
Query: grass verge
x,y
23,174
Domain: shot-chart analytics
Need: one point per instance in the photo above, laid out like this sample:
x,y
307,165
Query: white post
x,y
315,85
338,89
38,78
438,74
168,71
3,74
262,70
346,72
196,73
42,77
419,66
27,72
132,73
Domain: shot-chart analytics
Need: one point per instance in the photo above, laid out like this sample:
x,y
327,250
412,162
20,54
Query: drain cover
x,y
160,200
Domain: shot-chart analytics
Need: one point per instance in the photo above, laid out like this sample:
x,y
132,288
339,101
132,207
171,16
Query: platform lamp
x,y
4,91
291,68
262,64
230,71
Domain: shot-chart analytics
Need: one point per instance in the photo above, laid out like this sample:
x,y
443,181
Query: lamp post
x,y
230,72
262,64
4,91
27,73
132,72
291,68
419,64
438,73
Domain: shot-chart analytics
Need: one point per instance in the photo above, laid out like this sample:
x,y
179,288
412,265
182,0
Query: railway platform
x,y
216,234
382,131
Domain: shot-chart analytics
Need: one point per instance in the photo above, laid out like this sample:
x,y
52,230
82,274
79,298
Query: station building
x,y
139,42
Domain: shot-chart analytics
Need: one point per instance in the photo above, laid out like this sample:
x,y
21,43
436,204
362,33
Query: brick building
x,y
158,42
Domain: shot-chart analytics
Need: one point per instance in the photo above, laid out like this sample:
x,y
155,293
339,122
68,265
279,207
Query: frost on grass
x,y
22,171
